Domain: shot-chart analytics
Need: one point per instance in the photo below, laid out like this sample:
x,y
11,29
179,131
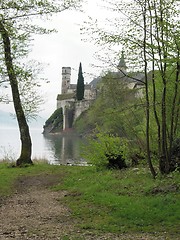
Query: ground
x,y
36,212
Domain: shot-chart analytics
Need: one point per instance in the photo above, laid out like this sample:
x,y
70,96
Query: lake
x,y
62,148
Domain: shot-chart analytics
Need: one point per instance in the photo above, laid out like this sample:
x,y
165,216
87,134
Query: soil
x,y
35,211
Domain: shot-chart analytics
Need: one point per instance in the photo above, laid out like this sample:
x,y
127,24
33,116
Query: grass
x,y
111,201
123,201
9,174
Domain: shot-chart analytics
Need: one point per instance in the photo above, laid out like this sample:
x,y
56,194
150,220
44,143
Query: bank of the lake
x,y
109,204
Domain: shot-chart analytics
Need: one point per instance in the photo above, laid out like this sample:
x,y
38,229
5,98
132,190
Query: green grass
x,y
9,174
111,201
121,201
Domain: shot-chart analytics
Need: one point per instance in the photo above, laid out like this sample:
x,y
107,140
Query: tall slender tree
x,y
16,29
80,85
150,35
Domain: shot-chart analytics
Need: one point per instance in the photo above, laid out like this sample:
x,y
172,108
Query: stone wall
x,y
72,110
80,107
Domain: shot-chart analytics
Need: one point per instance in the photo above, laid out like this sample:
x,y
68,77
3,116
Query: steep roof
x,y
122,64
128,77
95,81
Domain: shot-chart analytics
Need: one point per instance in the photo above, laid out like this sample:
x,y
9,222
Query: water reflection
x,y
65,147
57,149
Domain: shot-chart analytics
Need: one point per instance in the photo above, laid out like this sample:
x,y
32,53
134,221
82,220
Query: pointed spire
x,y
122,65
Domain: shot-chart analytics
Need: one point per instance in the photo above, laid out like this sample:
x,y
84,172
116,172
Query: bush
x,y
106,151
175,155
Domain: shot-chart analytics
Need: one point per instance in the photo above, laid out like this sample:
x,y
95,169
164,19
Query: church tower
x,y
122,65
66,79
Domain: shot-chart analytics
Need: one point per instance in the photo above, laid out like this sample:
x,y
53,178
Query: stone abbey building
x,y
67,99
73,108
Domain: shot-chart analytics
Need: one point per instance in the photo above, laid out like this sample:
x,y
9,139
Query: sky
x,y
65,49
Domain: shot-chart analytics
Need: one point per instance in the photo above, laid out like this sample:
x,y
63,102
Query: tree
x,y
150,37
116,110
80,85
159,21
29,85
16,28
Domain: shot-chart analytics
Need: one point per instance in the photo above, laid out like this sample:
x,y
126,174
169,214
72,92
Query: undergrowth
x,y
111,200
123,201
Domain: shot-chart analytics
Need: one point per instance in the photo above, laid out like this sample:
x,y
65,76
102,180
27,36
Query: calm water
x,y
57,149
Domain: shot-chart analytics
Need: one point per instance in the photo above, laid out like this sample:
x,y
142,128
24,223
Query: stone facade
x,y
72,108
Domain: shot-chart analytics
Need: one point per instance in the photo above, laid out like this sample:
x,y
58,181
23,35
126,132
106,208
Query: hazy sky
x,y
65,49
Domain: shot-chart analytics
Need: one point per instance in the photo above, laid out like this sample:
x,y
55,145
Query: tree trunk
x,y
26,146
151,31
164,160
175,110
147,95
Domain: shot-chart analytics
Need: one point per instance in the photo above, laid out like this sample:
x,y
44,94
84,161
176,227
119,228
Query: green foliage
x,y
150,37
103,147
83,124
170,85
56,119
16,30
175,155
80,85
116,110
17,18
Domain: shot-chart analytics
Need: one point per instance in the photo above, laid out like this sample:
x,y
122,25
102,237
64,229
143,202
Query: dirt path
x,y
34,212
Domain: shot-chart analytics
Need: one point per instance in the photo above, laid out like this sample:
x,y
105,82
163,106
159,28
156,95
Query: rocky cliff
x,y
54,124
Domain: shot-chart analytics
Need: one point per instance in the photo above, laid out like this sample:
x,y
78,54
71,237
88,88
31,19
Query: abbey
x,y
67,99
73,108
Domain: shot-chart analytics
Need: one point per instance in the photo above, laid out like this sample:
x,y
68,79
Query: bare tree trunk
x,y
147,95
26,146
153,78
177,116
161,33
175,109
165,167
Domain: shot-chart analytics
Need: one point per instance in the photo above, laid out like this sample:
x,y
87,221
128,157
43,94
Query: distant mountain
x,y
7,119
38,122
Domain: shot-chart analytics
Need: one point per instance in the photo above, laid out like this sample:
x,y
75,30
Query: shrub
x,y
175,155
106,150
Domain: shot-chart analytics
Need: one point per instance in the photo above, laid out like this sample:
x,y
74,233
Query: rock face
x,y
54,123
64,117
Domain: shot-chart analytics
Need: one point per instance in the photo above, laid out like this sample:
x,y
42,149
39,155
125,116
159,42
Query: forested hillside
x,y
120,112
